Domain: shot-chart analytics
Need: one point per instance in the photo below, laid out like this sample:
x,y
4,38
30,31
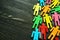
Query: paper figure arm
x,y
52,29
32,34
34,6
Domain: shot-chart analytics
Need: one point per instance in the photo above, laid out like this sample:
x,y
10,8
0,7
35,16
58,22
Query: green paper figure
x,y
56,9
37,20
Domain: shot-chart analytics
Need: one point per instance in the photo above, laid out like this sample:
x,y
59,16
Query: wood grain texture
x,y
19,26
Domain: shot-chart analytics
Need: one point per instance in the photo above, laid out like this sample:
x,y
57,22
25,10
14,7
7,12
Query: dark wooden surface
x,y
20,28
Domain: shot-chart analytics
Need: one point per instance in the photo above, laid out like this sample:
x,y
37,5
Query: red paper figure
x,y
56,38
43,29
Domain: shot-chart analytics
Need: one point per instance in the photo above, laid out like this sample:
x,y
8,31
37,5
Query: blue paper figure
x,y
36,34
42,3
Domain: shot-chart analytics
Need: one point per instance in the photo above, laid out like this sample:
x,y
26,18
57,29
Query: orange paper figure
x,y
53,33
45,10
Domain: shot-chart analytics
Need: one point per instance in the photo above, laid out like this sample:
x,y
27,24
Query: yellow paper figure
x,y
54,3
36,9
48,20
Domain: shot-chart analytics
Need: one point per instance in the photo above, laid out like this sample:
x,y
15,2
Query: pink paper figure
x,y
48,1
56,18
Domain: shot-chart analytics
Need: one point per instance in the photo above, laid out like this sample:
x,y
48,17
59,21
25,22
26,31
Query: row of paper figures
x,y
46,20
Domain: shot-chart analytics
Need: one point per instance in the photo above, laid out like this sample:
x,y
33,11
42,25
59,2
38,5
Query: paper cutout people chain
x,y
42,11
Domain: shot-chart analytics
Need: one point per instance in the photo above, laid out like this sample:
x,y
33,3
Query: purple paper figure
x,y
56,18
